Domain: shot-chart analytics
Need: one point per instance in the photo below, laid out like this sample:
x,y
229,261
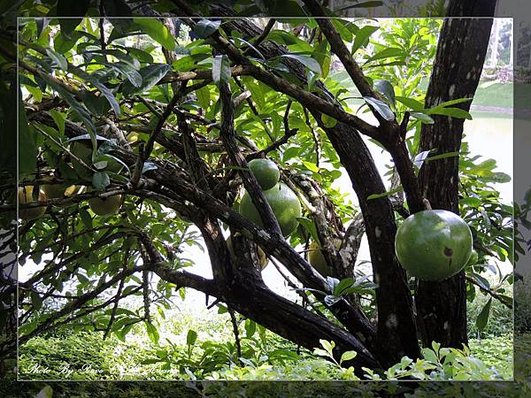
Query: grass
x,y
85,356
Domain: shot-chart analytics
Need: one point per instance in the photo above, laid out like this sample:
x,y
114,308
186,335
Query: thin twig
x,y
236,333
265,33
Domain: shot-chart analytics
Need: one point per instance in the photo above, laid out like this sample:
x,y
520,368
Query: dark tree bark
x,y
396,334
441,306
471,8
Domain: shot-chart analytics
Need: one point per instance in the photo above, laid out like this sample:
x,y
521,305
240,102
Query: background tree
x,y
191,157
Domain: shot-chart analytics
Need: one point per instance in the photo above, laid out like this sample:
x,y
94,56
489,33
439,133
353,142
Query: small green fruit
x,y
284,203
266,172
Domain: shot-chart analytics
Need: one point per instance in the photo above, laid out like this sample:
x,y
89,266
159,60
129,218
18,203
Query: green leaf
x,y
184,64
221,69
203,97
328,346
46,392
129,72
290,153
151,75
57,59
250,328
309,225
311,166
328,121
342,286
191,337
381,107
116,8
453,102
442,156
97,105
59,119
152,332
387,89
390,52
62,43
500,177
483,317
157,31
320,352
422,117
348,356
27,149
306,60
104,90
288,39
410,103
205,28
362,37
283,8
100,180
481,281
452,112
365,4
322,55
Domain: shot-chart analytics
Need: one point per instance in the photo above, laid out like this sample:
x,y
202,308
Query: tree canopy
x,y
163,115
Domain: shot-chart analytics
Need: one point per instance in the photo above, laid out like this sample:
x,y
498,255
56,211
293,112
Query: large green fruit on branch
x,y
284,203
265,171
433,245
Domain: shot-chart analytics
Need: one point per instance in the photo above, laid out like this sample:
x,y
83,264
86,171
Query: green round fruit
x,y
284,203
266,172
433,245
25,195
107,206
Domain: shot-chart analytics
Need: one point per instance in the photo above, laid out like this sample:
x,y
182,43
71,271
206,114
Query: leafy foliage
x,y
186,356
148,92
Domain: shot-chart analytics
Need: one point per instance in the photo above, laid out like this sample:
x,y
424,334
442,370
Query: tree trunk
x,y
396,334
441,306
